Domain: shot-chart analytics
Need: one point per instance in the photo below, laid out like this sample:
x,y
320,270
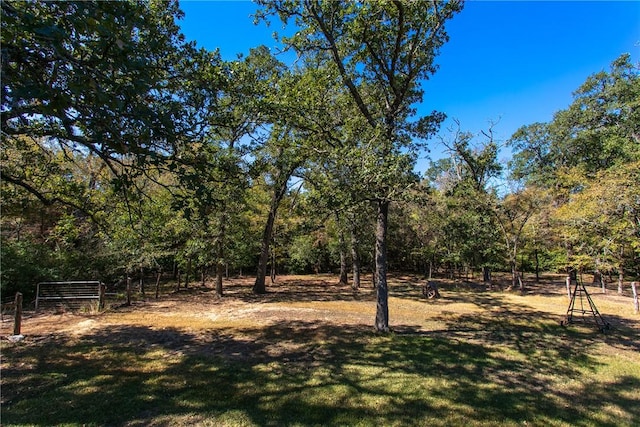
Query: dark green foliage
x,y
62,248
24,264
90,75
599,130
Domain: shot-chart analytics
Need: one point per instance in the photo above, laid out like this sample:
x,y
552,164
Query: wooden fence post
x,y
101,299
636,307
17,324
568,281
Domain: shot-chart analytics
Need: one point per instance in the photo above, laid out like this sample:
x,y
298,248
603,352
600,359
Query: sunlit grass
x,y
471,358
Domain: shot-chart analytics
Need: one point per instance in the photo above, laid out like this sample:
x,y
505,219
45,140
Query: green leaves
x,y
101,83
584,157
380,51
602,220
599,130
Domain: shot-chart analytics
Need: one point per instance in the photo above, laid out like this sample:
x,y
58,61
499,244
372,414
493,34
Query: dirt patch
x,y
308,300
49,323
292,298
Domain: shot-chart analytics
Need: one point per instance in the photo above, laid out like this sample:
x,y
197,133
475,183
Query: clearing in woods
x,y
306,354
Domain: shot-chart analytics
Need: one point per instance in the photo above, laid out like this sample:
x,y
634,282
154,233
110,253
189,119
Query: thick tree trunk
x,y
273,265
520,281
486,275
17,317
259,286
597,277
382,291
537,266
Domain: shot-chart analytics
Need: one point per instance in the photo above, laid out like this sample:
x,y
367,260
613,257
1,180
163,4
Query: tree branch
x,y
338,60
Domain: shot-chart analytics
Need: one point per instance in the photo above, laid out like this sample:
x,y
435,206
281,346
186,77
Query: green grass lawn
x,y
505,361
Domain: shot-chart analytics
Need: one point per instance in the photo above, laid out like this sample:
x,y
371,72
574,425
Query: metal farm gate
x,y
74,295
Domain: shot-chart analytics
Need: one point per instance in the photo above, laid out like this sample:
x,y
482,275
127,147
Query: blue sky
x,y
510,62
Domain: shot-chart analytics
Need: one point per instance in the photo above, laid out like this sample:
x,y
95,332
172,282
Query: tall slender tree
x,y
382,51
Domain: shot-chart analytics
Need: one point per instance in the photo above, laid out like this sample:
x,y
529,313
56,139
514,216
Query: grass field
x,y
306,354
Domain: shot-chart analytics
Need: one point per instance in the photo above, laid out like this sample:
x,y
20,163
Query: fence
x,y
70,295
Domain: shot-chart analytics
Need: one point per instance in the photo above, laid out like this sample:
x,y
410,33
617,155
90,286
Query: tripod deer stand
x,y
580,291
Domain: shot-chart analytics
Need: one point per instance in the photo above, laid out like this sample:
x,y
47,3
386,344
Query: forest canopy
x,y
127,150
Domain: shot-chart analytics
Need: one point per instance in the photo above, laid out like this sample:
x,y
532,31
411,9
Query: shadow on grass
x,y
299,290
306,373
287,290
527,329
319,288
325,288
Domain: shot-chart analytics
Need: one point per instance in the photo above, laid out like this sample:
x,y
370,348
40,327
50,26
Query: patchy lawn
x,y
306,354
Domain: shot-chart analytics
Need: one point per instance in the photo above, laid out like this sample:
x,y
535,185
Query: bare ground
x,y
317,300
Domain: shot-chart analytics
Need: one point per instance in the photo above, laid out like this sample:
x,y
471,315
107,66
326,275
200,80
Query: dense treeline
x,y
127,151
